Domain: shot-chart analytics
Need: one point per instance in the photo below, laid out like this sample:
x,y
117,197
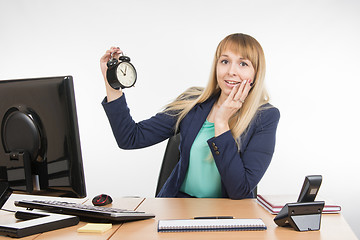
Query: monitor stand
x,y
33,222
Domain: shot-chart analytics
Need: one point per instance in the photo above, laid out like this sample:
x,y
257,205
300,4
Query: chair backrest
x,y
171,158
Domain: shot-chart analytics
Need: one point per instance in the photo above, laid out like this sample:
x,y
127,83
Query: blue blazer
x,y
240,171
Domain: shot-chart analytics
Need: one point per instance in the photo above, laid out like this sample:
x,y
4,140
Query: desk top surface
x,y
333,226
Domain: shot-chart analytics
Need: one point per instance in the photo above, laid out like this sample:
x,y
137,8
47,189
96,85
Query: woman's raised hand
x,y
111,93
230,106
107,56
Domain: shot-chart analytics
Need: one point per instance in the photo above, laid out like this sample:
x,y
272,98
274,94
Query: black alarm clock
x,y
120,73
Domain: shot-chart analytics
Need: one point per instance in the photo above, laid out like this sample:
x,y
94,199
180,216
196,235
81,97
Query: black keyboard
x,y
86,212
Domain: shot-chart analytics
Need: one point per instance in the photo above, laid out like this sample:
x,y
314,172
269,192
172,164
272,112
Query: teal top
x,y
202,179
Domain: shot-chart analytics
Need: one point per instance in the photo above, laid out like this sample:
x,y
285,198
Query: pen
x,y
215,217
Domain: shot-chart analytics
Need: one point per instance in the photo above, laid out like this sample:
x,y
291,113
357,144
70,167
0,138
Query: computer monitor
x,y
39,145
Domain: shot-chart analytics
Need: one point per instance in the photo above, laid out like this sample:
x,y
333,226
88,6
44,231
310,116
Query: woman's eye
x,y
244,64
224,61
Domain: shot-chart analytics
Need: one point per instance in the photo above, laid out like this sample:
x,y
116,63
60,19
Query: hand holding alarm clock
x,y
120,73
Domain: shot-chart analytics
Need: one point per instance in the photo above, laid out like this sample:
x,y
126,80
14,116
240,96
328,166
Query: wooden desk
x,y
333,226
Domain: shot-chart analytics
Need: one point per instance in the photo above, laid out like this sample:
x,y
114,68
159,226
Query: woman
x,y
227,130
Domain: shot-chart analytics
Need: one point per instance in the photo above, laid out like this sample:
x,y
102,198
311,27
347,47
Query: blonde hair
x,y
249,48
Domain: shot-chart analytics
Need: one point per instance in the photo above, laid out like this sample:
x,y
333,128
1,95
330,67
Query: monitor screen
x,y
40,144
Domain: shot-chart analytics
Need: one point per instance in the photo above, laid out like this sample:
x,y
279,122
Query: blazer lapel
x,y
196,119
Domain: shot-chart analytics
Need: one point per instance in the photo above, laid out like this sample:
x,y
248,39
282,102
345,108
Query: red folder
x,y
274,203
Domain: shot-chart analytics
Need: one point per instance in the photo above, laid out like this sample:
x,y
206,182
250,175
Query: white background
x,y
312,52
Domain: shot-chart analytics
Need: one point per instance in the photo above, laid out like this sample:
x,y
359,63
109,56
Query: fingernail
x,y
244,82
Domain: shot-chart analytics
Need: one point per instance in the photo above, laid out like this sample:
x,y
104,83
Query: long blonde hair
x,y
249,48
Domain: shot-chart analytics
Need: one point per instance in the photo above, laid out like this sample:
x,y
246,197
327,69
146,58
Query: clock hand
x,y
125,69
123,72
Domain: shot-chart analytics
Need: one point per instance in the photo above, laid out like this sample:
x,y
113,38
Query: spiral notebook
x,y
184,225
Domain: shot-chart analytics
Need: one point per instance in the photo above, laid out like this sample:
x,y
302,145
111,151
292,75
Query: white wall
x,y
312,50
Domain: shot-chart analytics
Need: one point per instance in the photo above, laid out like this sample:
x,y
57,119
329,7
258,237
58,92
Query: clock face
x,y
126,74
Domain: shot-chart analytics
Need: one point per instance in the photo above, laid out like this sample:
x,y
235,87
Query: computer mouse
x,y
102,200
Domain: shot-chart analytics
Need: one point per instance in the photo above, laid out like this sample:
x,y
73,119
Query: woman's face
x,y
232,69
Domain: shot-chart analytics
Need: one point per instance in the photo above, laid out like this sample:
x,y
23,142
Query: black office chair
x,y
171,158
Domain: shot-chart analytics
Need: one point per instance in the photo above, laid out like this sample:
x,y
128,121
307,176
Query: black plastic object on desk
x,y
301,216
304,215
87,213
